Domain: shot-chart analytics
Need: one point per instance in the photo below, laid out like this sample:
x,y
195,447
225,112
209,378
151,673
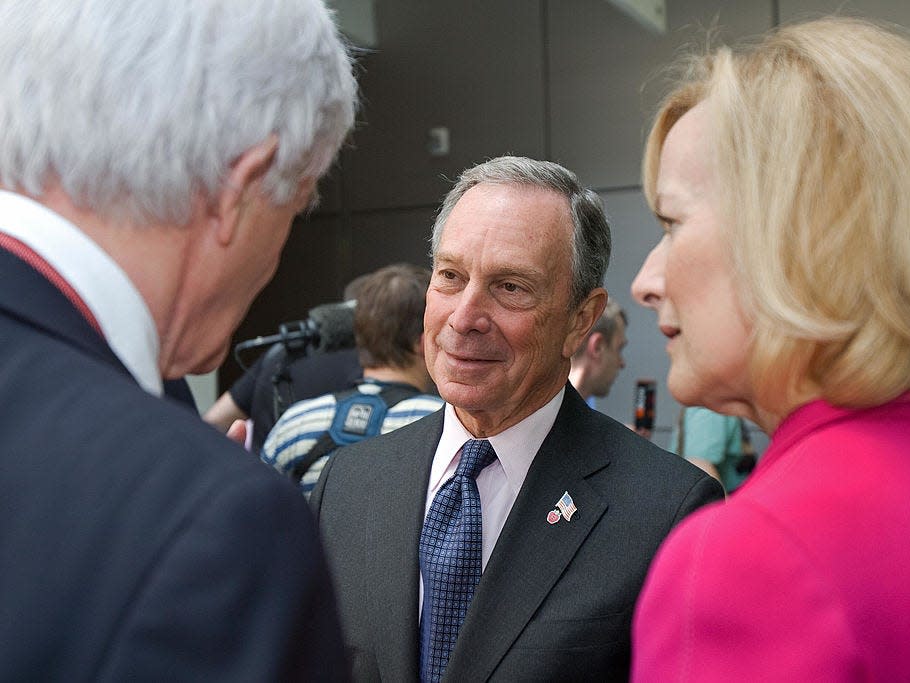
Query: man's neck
x,y
399,375
133,247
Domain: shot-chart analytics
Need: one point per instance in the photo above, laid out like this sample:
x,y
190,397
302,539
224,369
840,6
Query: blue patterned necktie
x,y
450,558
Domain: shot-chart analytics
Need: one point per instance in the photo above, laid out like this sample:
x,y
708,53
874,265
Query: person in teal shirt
x,y
715,443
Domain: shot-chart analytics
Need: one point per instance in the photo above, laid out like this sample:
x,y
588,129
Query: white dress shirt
x,y
110,295
500,482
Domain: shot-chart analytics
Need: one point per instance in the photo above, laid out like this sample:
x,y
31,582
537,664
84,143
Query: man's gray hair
x,y
591,243
136,106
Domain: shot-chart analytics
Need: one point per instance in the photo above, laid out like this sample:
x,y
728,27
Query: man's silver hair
x,y
591,243
134,106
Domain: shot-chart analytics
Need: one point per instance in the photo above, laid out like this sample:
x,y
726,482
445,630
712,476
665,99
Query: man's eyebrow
x,y
443,259
525,273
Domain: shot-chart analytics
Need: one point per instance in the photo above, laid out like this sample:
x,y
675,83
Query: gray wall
x,y
574,81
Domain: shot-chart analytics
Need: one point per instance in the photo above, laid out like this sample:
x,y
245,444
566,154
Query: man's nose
x,y
472,310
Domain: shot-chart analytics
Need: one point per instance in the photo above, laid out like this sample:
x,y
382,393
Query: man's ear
x,y
245,172
583,319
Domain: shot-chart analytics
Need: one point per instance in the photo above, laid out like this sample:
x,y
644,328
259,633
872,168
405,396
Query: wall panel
x,y
604,83
896,11
473,67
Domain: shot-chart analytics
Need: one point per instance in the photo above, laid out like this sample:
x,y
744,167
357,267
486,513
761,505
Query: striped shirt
x,y
304,423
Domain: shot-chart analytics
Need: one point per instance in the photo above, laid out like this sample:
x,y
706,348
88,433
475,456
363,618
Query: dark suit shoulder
x,y
626,468
596,432
157,534
411,434
382,460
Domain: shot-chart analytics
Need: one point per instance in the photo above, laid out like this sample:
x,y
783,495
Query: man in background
x,y
598,360
388,328
152,158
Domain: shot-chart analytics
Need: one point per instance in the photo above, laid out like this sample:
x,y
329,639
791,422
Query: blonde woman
x,y
781,176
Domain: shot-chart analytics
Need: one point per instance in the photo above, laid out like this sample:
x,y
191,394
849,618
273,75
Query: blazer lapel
x,y
531,554
402,482
27,295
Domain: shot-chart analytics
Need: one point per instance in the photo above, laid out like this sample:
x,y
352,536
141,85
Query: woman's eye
x,y
666,224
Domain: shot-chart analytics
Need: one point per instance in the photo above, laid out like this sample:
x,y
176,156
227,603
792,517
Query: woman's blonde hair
x,y
810,132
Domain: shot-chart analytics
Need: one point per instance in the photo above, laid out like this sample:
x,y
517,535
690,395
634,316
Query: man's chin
x,y
214,362
199,366
462,395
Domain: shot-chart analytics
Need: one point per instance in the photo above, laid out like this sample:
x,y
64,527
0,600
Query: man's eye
x,y
510,287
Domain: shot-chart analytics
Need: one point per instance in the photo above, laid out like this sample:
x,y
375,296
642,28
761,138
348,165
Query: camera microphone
x,y
334,326
329,327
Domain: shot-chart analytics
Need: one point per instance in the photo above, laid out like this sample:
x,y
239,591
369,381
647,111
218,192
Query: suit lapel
x,y
403,486
531,554
27,295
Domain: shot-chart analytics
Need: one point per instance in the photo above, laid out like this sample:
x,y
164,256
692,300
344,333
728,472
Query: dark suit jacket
x,y
136,542
555,601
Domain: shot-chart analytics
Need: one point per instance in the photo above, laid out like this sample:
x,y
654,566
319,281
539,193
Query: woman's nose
x,y
648,285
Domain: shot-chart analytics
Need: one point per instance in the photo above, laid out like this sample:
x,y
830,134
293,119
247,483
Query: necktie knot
x,y
475,455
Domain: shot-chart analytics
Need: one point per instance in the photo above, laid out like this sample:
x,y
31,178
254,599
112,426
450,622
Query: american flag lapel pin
x,y
567,506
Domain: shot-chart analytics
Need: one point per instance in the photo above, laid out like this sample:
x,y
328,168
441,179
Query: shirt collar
x,y
110,295
515,447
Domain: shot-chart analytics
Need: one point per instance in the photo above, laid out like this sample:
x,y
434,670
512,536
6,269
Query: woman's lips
x,y
669,330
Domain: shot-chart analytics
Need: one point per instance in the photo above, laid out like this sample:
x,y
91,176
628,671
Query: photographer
x,y
283,375
256,395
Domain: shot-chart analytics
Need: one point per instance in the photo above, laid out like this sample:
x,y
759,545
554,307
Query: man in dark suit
x,y
572,505
153,155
